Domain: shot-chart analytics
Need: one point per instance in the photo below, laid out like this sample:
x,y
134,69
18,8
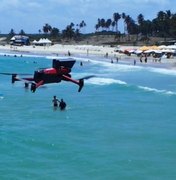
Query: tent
x,y
42,42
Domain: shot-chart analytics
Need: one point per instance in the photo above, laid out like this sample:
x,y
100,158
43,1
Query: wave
x,y
20,54
108,81
128,66
104,81
163,71
59,57
157,90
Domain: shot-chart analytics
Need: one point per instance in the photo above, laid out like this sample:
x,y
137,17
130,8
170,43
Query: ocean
x,y
120,126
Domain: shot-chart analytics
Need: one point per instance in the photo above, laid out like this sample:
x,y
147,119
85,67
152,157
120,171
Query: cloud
x,y
31,15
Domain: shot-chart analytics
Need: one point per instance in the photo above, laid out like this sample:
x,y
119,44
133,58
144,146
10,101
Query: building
x,y
19,40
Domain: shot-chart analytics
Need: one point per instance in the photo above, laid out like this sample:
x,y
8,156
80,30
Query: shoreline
x,y
107,53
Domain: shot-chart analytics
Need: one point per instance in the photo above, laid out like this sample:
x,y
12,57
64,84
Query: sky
x,y
32,15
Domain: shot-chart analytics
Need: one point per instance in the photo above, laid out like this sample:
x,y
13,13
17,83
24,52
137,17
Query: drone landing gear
x,y
26,85
81,84
33,87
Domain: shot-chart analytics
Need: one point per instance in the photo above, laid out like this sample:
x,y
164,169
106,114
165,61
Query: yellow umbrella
x,y
144,48
154,47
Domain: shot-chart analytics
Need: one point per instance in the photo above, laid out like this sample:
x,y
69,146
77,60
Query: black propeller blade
x,y
88,77
24,74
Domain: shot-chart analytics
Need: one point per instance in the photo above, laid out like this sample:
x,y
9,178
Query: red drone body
x,y
59,72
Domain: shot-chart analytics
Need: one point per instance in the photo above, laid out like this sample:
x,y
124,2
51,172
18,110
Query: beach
x,y
61,49
108,52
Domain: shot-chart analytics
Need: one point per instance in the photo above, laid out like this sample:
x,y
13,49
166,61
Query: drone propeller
x,y
81,81
24,74
42,68
88,77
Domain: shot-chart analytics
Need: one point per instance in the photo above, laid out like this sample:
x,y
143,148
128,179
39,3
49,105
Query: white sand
x,y
59,49
62,49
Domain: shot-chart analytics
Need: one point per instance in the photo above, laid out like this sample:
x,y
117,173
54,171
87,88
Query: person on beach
x,y
145,58
134,62
69,54
106,55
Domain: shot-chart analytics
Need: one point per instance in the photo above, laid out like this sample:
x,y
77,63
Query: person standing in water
x,y
62,104
55,101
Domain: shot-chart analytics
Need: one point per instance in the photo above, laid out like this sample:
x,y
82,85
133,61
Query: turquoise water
x,y
121,126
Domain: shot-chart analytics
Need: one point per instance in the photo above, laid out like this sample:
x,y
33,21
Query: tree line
x,y
163,25
71,31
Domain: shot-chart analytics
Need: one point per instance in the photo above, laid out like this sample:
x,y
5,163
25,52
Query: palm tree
x,y
169,14
82,24
39,31
77,33
161,15
69,31
108,23
161,18
140,19
72,24
173,27
127,21
124,17
168,21
131,26
147,28
113,25
116,17
55,32
22,32
99,22
47,28
98,25
103,23
12,33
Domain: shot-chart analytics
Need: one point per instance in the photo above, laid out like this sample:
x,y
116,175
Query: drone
x,y
60,71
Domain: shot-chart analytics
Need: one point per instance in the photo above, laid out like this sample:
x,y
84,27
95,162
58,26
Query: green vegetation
x,y
164,25
134,31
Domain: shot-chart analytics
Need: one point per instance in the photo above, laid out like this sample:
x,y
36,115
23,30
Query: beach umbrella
x,y
149,51
34,42
138,51
144,48
171,47
162,47
168,50
154,47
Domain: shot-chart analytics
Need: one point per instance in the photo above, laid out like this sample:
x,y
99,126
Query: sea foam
x,y
163,71
157,90
104,81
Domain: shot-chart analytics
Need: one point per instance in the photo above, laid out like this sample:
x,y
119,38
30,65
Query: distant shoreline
x,y
106,52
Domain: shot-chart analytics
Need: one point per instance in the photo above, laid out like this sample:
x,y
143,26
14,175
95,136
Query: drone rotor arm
x,y
80,82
